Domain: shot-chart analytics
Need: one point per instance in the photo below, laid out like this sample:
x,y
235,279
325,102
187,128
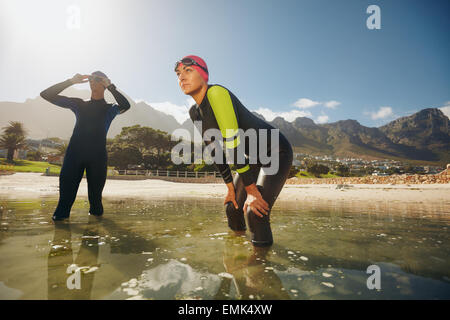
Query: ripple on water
x,y
184,250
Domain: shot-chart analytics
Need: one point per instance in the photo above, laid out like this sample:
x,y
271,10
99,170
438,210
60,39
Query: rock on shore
x,y
442,177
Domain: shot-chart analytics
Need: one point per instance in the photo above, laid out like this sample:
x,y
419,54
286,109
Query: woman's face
x,y
189,79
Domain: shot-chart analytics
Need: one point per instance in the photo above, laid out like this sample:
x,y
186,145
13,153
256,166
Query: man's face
x,y
189,79
97,83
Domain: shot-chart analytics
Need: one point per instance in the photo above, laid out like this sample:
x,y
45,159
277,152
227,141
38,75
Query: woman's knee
x,y
236,220
260,229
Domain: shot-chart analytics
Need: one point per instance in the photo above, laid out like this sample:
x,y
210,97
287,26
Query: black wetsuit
x,y
87,146
220,109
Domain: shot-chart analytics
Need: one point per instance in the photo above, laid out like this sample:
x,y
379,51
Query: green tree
x,y
146,145
317,169
34,155
147,140
13,138
121,157
393,170
157,161
343,170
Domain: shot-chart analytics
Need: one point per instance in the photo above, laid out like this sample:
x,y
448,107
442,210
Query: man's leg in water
x,y
236,219
270,187
96,171
69,181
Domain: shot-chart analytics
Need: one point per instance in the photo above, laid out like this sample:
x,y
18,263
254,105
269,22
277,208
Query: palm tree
x,y
15,127
13,138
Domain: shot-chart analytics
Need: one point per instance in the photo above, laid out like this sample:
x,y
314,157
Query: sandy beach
x,y
35,185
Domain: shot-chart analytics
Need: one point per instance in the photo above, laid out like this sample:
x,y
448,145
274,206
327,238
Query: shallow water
x,y
182,249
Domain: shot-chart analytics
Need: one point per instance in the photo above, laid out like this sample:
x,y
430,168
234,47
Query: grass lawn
x,y
31,166
28,166
305,174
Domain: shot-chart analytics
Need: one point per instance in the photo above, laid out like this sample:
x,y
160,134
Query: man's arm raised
x,y
52,94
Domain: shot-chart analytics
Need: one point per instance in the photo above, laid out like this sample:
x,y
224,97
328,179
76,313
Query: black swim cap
x,y
99,73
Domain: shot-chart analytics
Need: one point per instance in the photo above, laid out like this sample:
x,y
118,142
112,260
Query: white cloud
x,y
305,103
288,116
446,109
180,113
322,119
331,104
382,113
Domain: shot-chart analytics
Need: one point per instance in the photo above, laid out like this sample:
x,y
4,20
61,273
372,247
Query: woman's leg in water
x,y
270,187
236,219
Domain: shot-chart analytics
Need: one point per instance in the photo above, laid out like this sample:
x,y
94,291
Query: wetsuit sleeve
x,y
223,168
52,95
225,112
122,102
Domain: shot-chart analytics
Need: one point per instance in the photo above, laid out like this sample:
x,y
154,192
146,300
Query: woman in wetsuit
x,y
87,146
252,191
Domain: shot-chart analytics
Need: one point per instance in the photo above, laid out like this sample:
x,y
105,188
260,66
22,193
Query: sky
x,y
311,58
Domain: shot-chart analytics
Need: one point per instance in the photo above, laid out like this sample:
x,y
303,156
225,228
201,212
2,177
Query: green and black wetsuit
x,y
220,109
87,146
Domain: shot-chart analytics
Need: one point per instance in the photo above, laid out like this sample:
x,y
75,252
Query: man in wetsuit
x,y
252,192
87,146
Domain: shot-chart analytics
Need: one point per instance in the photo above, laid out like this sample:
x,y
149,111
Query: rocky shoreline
x,y
442,177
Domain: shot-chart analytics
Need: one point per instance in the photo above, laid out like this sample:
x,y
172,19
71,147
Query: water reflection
x,y
182,249
246,275
70,278
249,275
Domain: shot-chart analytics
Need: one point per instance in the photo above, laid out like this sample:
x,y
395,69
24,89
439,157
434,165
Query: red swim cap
x,y
201,62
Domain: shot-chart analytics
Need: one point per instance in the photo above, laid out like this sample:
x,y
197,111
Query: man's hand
x,y
79,78
255,201
231,195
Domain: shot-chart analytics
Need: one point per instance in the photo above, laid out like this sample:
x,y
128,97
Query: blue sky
x,y
292,58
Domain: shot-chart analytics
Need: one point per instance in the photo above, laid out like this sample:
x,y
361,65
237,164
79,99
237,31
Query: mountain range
x,y
421,137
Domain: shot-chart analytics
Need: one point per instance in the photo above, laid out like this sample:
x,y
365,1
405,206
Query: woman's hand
x,y
231,195
255,201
